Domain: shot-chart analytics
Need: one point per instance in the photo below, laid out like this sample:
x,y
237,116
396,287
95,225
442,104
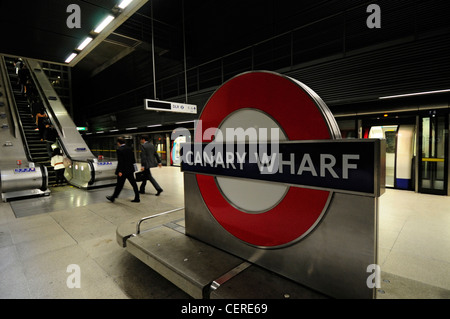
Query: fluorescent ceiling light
x,y
131,128
124,4
84,43
413,94
154,125
71,57
183,122
104,23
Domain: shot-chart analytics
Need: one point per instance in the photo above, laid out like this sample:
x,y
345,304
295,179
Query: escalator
x,y
39,151
20,175
86,171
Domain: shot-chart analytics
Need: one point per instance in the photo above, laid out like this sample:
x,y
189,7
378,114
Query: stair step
x,y
40,155
37,148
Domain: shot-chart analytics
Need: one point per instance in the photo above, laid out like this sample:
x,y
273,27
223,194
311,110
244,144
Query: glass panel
x,y
426,183
425,137
433,153
439,182
440,153
440,137
348,128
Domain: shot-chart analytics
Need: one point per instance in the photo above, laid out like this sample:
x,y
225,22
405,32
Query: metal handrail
x,y
53,118
13,109
138,225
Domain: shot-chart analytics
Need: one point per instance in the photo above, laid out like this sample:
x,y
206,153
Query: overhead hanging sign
x,y
156,105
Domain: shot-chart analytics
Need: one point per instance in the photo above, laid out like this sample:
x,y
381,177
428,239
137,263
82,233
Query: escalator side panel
x,y
75,146
85,172
20,176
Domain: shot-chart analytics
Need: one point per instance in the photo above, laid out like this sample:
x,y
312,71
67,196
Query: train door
x,y
389,133
433,153
400,136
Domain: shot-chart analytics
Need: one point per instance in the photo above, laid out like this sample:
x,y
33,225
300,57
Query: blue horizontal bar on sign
x,y
25,170
104,163
330,165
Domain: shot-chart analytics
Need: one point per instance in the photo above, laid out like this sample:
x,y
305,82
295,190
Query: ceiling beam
x,y
119,19
111,61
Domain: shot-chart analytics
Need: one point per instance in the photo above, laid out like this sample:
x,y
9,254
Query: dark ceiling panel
x,y
38,29
103,54
42,47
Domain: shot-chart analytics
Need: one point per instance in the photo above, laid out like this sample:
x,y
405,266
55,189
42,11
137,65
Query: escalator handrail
x,y
53,118
48,109
14,109
5,79
44,173
92,169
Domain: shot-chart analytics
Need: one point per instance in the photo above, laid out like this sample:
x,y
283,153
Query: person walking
x,y
149,159
124,170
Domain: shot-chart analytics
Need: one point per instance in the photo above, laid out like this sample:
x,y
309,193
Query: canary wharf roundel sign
x,y
267,157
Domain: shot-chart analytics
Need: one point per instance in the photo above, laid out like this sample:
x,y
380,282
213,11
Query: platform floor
x,y
41,237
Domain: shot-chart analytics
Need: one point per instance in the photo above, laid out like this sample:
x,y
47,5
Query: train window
x,y
348,128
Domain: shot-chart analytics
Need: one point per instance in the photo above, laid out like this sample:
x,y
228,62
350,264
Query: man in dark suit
x,y
149,159
124,170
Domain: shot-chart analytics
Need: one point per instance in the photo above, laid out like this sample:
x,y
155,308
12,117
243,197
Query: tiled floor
x,y
36,250
414,245
75,227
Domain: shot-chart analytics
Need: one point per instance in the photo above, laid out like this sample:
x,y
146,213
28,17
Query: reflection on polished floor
x,y
41,237
62,198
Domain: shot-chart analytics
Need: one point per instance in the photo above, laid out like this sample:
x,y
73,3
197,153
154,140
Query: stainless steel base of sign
x,y
333,259
188,263
258,283
201,270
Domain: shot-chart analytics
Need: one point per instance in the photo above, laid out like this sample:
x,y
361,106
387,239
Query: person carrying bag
x,y
149,159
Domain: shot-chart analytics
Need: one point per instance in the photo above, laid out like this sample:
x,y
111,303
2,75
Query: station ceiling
x,y
39,30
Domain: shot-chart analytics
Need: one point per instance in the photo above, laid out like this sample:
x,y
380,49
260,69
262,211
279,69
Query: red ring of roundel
x,y
297,114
